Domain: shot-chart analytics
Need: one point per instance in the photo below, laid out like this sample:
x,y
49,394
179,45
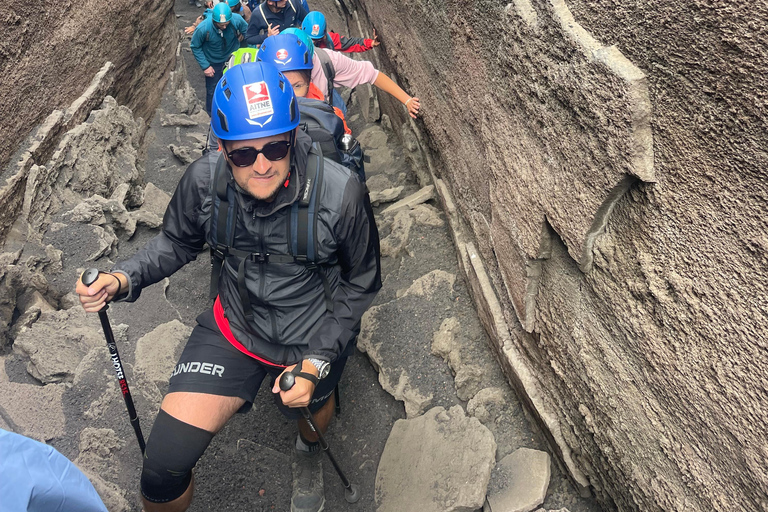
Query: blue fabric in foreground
x,y
34,477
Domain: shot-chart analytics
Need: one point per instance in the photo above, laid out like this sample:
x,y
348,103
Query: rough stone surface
x,y
519,481
94,157
373,137
158,350
138,37
616,195
422,196
32,410
57,342
394,243
386,196
439,462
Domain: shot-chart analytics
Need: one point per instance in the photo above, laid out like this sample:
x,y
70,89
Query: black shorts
x,y
210,364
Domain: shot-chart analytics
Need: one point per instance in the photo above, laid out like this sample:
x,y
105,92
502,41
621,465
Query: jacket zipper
x,y
262,279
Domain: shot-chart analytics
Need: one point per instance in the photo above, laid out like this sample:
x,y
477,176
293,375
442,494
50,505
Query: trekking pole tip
x,y
89,276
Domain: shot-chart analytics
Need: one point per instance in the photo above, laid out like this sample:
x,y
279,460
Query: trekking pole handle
x,y
89,276
287,380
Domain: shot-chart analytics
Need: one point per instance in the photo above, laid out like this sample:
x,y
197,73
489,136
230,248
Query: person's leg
x,y
210,84
182,432
308,493
211,381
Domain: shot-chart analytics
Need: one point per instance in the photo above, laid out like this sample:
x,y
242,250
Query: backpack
x,y
321,123
301,227
329,70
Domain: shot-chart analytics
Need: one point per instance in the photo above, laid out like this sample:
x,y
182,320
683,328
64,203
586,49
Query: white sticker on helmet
x,y
257,100
315,30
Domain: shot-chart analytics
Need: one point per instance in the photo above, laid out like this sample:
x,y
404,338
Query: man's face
x,y
298,82
264,177
221,26
276,6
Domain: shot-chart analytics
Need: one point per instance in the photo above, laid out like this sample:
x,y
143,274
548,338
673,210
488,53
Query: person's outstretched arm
x,y
386,84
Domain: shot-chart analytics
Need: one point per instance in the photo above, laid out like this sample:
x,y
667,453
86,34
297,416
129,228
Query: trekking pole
x,y
88,278
351,492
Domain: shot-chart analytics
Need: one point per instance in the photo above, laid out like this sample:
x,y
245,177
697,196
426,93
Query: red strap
x,y
223,323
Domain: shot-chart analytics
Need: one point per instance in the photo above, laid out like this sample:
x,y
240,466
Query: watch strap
x,y
298,373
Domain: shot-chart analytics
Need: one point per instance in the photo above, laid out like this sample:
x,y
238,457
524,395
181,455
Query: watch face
x,y
325,370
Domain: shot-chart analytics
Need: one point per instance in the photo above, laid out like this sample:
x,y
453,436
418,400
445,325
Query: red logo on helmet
x,y
315,30
282,54
257,100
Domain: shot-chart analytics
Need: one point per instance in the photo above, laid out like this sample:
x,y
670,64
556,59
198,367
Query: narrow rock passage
x,y
426,356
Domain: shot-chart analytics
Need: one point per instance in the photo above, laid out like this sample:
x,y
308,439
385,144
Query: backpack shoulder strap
x,y
290,2
261,10
329,70
303,220
223,214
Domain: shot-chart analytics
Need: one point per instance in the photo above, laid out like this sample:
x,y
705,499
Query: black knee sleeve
x,y
172,451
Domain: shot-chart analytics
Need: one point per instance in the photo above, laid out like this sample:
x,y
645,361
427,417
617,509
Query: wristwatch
x,y
323,367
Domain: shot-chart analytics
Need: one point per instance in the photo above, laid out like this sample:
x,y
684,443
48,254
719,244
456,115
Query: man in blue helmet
x,y
213,41
272,17
279,306
316,27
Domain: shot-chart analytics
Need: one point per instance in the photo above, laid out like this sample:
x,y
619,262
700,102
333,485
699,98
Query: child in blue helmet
x,y
213,41
315,26
260,175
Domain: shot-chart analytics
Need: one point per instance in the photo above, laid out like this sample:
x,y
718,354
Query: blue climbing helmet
x,y
286,52
221,13
233,3
316,28
252,101
303,37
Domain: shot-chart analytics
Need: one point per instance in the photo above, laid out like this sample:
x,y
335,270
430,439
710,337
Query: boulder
x,y
519,481
57,342
158,350
394,243
438,462
386,196
373,137
177,120
428,285
155,200
183,153
427,215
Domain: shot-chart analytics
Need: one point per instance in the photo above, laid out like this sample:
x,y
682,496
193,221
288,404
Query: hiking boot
x,y
308,495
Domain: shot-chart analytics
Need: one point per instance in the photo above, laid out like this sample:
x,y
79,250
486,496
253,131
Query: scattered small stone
x,y
386,196
378,182
487,404
427,215
519,481
468,381
155,200
183,153
422,196
428,284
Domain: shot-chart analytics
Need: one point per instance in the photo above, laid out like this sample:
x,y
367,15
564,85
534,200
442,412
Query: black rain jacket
x,y
290,319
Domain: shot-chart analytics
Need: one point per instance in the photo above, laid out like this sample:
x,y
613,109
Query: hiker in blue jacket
x,y
272,17
214,40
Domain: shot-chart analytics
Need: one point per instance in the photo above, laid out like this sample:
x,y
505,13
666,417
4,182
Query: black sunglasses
x,y
273,151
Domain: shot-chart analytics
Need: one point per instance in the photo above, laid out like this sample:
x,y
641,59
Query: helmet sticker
x,y
282,54
257,100
222,18
315,30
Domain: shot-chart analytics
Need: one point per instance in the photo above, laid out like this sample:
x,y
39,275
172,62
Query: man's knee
x,y
173,449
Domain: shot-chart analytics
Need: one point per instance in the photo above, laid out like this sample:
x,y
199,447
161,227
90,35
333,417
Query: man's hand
x,y
189,30
209,72
101,291
272,31
376,41
301,392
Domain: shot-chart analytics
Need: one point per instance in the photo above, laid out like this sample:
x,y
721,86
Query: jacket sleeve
x,y
358,240
198,38
350,44
182,235
254,36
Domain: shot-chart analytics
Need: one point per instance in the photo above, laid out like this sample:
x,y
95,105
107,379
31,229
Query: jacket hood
x,y
285,195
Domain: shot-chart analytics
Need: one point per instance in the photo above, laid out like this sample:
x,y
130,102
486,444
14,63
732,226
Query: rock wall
x,y
50,53
608,162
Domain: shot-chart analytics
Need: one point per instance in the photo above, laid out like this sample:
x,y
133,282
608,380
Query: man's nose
x,y
262,165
